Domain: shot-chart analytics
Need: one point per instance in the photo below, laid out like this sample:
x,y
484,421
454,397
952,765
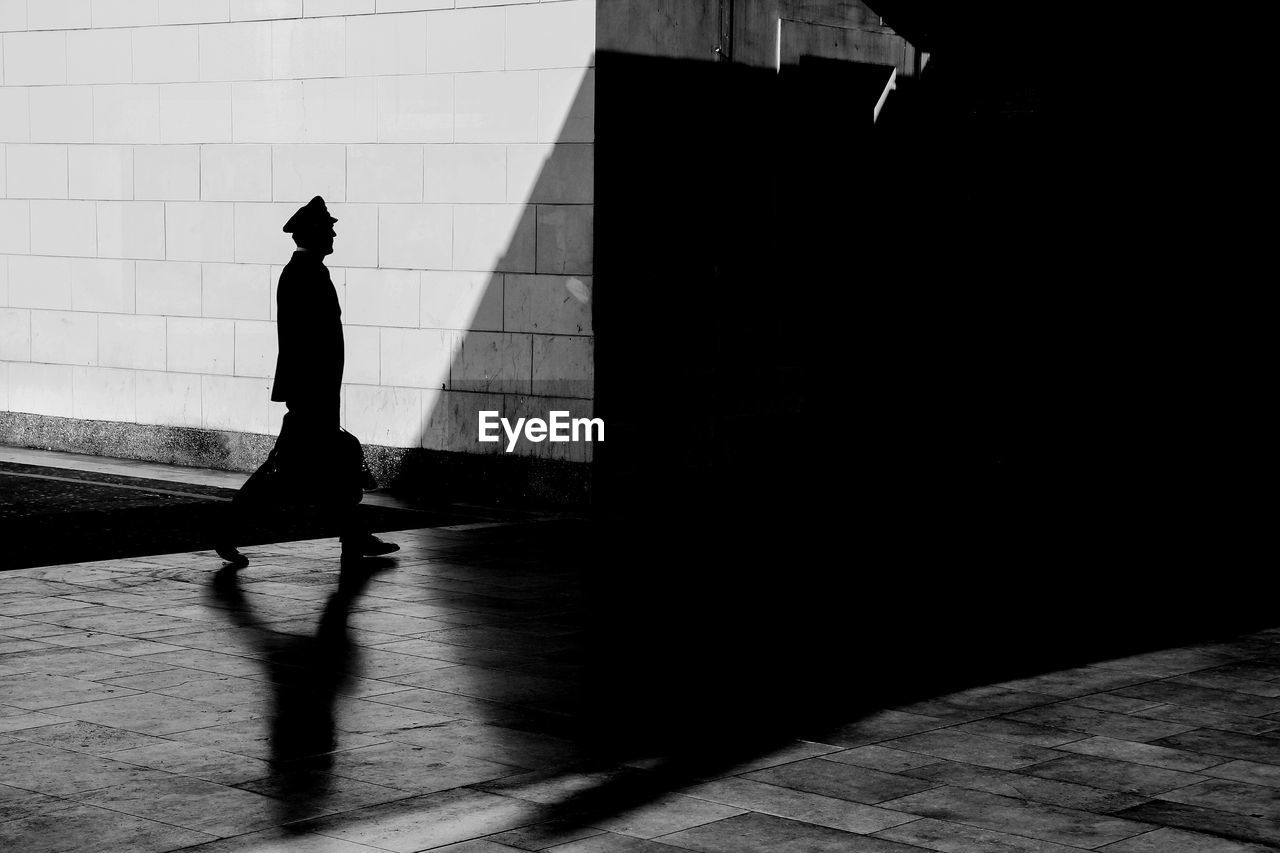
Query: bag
x,y
310,465
354,451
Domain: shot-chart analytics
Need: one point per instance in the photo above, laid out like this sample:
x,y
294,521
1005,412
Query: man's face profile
x,y
316,240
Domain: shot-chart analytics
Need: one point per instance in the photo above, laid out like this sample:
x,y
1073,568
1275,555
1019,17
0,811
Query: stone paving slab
x,y
428,703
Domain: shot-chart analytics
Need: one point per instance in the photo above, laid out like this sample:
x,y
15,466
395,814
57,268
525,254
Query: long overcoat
x,y
309,326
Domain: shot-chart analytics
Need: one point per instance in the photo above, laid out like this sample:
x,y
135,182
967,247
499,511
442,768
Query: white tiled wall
x,y
150,151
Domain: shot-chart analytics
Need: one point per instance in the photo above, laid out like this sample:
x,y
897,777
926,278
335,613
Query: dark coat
x,y
309,325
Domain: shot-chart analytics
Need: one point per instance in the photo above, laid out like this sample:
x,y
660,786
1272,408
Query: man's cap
x,y
309,217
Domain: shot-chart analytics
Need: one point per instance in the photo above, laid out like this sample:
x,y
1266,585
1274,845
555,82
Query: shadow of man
x,y
306,673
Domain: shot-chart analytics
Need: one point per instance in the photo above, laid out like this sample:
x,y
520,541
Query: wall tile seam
x,y
304,16
384,327
200,78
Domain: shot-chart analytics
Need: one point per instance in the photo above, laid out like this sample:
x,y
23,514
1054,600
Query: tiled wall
x,y
150,151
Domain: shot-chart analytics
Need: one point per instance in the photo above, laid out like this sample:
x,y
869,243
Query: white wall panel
x,y
126,114
39,282
131,229
269,111
234,403
166,54
497,237
357,242
15,114
461,300
551,174
316,8
384,173
383,415
493,362
255,348
565,238
41,389
15,226
550,304
386,44
412,5
236,291
36,171
131,341
58,14
13,15
301,172
199,231
564,366
35,59
309,47
235,172
100,172
170,288
169,399
415,109
465,40
466,173
363,348
195,112
124,13
61,114
416,358
193,11
415,236
341,110
262,10
67,228
567,105
103,394
64,337
166,172
102,285
199,345
551,35
382,298
99,56
235,51
259,235
496,107
15,335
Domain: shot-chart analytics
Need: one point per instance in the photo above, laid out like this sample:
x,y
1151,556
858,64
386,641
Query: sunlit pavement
x,y
432,701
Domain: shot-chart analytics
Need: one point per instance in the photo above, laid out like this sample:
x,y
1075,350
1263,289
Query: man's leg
x,y
251,499
357,541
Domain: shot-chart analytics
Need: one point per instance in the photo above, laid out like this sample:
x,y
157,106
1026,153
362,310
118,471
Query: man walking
x,y
313,460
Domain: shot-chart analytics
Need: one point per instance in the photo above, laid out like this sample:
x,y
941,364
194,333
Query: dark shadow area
x,y
53,516
894,409
306,673
902,408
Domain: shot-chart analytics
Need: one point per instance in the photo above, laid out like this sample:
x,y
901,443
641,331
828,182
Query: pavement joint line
x,y
113,485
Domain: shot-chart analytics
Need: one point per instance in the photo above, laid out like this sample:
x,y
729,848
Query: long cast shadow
x,y
878,427
306,673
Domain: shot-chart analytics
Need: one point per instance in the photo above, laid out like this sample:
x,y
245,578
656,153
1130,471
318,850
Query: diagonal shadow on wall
x,y
831,455
525,344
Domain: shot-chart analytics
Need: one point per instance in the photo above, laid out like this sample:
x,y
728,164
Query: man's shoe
x,y
233,557
368,546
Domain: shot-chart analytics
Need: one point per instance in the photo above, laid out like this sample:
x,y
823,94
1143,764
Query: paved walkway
x,y
429,703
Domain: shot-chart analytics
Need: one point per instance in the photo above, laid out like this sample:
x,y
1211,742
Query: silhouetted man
x,y
313,460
